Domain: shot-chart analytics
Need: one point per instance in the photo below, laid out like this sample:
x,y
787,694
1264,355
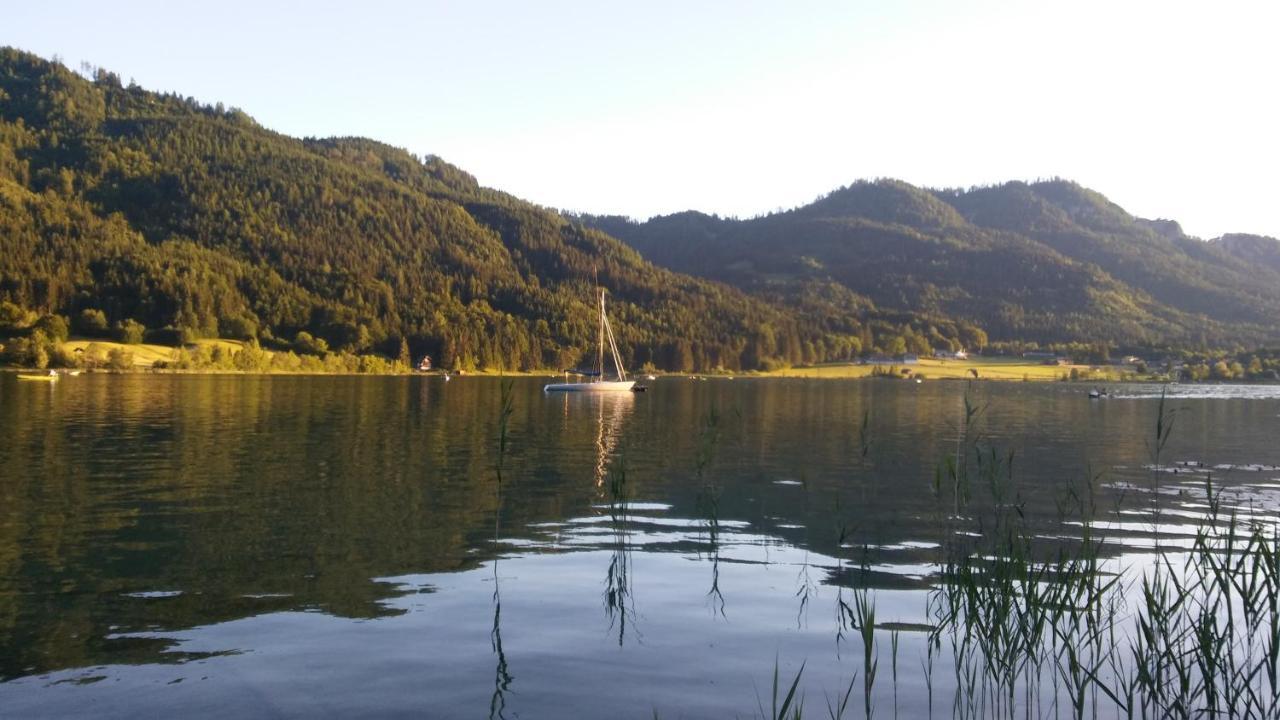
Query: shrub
x,y
308,345
15,317
92,322
251,358
130,331
119,359
54,327
238,328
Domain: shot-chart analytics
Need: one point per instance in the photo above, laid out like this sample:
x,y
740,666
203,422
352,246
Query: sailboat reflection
x,y
611,476
611,411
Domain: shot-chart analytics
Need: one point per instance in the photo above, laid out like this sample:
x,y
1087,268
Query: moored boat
x,y
599,384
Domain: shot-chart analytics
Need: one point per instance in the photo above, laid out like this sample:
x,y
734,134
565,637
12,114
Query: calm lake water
x,y
338,547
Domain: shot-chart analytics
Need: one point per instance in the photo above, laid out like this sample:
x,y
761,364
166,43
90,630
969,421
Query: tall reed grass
x,y
1039,627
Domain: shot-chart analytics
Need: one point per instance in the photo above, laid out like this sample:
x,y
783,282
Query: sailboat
x,y
599,384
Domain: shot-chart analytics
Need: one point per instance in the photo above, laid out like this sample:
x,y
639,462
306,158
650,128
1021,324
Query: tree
x,y
305,343
403,358
239,327
15,317
119,359
54,326
92,322
130,331
1255,367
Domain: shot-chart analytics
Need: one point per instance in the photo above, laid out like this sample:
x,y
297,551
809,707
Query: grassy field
x,y
144,355
929,368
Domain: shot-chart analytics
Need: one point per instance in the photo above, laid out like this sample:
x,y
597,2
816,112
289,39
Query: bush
x,y
238,328
251,358
92,322
62,357
34,351
15,317
130,331
119,359
308,345
54,327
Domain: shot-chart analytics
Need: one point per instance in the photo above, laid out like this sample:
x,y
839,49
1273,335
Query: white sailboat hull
x,y
593,387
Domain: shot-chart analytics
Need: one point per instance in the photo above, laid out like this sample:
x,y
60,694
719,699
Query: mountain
x,y
197,222
1050,262
1255,250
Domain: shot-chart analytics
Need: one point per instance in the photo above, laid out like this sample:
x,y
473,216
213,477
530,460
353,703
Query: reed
x,y
502,677
1042,627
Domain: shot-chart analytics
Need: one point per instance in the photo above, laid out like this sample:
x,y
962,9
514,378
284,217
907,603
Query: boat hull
x,y
44,378
591,387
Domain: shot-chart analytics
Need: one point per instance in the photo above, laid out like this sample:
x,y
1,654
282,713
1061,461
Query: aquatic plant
x,y
1048,626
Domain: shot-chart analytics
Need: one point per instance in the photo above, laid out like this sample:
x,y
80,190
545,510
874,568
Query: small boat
x,y
1096,394
622,384
51,376
650,377
73,373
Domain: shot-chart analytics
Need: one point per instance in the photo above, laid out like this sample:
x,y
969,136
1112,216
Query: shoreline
x,y
775,375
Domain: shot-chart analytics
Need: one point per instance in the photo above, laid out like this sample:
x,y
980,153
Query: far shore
x,y
158,359
92,355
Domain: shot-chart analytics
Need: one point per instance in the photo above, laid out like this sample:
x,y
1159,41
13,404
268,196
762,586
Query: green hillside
x,y
1049,262
197,222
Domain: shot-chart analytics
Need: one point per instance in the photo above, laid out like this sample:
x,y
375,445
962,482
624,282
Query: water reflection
x,y
329,542
502,678
619,602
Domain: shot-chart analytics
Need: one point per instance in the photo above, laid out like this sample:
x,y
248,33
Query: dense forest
x,y
141,215
1047,263
121,207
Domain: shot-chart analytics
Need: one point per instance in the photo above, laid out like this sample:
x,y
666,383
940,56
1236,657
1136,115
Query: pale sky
x,y
739,108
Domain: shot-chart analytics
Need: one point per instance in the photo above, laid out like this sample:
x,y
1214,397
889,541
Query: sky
x,y
739,108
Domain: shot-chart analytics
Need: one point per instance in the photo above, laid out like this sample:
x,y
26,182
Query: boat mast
x,y
600,357
613,343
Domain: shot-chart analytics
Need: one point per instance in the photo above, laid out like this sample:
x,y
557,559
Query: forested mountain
x,y
1252,249
1048,262
121,206
197,222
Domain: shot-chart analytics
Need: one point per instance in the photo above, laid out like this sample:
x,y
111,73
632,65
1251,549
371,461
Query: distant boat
x,y
1096,394
51,376
599,384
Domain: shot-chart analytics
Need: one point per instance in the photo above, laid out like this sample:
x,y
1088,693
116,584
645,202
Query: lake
x,y
281,546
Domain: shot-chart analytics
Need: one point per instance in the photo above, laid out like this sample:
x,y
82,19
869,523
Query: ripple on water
x,y
1199,392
